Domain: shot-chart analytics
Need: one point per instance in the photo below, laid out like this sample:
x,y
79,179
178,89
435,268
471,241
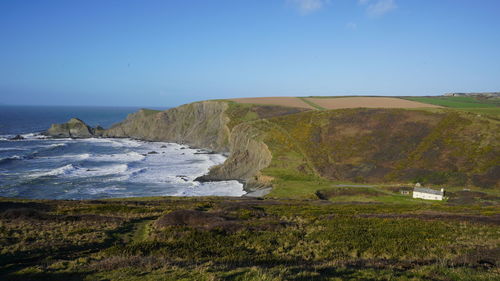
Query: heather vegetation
x,y
247,239
312,150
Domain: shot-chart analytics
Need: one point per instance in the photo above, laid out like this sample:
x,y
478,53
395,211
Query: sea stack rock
x,y
17,137
74,128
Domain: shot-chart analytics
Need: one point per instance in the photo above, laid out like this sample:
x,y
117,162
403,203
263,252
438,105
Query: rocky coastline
x,y
201,125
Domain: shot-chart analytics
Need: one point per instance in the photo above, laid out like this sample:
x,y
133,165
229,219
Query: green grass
x,y
457,102
288,184
493,112
148,112
274,240
312,103
239,113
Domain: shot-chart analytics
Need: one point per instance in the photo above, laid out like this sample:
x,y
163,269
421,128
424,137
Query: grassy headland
x,y
335,211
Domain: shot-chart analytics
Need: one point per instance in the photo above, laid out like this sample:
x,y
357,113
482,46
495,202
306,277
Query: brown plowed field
x,y
283,101
367,102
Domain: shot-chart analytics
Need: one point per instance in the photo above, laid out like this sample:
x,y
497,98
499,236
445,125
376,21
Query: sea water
x,y
44,168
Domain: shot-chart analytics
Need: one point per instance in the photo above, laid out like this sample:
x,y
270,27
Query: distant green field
x,y
489,107
458,102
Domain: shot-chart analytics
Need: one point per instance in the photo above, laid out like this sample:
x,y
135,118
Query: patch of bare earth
x,y
368,102
282,101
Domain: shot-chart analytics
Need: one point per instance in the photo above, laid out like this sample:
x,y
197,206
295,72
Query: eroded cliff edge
x,y
286,146
202,124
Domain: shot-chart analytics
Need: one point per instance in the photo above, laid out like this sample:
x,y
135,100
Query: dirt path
x,y
138,231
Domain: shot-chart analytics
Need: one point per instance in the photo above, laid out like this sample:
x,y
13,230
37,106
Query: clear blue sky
x,y
169,52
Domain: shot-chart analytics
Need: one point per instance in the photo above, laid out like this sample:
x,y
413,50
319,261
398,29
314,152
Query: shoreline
x,y
196,151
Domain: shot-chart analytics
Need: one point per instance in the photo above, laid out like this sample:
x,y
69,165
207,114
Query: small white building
x,y
428,194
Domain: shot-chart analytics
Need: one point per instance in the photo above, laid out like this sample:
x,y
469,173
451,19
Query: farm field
x,y
282,101
323,103
487,107
367,102
458,102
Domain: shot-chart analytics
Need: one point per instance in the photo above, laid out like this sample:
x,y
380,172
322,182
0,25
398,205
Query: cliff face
x,y
201,124
216,125
249,155
356,145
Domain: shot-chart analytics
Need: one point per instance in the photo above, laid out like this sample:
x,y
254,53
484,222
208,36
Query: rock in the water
x,y
74,128
98,131
17,137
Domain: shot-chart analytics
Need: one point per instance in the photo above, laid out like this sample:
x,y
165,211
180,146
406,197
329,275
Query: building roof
x,y
427,190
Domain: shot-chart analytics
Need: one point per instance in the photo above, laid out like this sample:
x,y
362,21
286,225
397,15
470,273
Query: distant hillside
x,y
293,149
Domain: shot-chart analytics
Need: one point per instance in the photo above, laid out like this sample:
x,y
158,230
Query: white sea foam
x,y
100,171
54,145
113,142
54,172
220,188
79,172
11,149
33,136
134,168
13,157
104,190
81,156
119,157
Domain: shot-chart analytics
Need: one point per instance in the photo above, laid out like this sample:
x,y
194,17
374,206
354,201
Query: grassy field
x,y
365,102
279,101
458,102
486,107
248,239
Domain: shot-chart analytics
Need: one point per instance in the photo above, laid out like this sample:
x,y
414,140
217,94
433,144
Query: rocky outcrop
x,y
249,155
356,145
17,137
204,124
201,124
74,128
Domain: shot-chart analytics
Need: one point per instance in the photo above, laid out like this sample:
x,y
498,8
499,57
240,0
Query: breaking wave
x,y
106,168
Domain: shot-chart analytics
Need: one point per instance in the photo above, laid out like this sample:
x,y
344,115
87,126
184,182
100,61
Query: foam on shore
x,y
107,168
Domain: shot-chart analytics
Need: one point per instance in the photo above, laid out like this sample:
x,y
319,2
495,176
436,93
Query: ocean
x,y
42,168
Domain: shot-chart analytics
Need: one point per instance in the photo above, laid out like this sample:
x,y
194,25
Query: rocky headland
x,y
267,144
